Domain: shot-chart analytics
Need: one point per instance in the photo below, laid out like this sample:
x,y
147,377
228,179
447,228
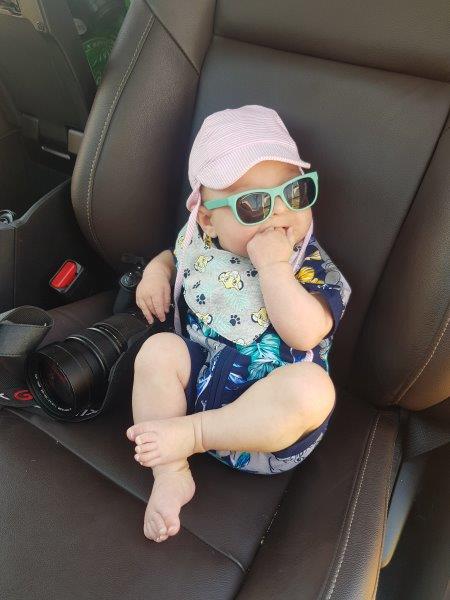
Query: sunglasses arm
x,y
212,204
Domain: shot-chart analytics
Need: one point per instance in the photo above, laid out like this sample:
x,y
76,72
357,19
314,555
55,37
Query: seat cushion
x,y
327,537
230,510
299,526
68,532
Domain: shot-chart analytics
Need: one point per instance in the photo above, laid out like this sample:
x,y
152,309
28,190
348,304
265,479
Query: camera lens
x,y
57,384
69,379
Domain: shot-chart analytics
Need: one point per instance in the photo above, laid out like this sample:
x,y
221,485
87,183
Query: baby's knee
x,y
310,391
159,351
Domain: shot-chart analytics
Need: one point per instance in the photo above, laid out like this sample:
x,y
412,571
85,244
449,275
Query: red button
x,y
23,395
65,276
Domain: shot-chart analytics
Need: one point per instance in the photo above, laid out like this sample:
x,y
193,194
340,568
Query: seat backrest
x,y
364,92
44,69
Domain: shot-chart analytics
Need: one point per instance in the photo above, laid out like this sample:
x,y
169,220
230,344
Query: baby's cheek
x,y
242,245
235,238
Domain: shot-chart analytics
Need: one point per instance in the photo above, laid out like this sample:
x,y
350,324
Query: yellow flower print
x,y
307,275
314,256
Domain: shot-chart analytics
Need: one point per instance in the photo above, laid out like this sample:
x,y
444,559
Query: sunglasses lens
x,y
253,208
300,193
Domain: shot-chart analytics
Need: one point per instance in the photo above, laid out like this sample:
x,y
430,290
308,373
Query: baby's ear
x,y
204,220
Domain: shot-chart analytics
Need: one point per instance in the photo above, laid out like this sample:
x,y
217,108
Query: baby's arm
x,y
165,262
153,291
300,318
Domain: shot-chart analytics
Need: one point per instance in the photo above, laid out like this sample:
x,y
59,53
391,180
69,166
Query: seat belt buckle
x,y
71,281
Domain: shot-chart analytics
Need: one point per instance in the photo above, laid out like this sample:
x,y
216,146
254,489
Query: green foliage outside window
x,y
98,23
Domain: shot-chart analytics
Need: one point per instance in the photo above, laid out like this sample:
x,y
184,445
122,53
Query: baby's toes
x,y
149,459
149,530
159,527
173,525
145,438
149,447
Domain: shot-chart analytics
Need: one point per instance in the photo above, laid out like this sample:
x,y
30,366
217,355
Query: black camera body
x,y
69,380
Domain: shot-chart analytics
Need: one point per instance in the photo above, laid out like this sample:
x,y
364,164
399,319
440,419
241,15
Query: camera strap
x,y
22,329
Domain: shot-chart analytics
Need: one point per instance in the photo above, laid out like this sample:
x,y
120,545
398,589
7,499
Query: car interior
x,y
95,131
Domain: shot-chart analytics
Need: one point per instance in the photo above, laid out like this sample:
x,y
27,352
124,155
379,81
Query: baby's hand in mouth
x,y
289,232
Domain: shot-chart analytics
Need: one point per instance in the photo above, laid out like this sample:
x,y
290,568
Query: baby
x,y
245,376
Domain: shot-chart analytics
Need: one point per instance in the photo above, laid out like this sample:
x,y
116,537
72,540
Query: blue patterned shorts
x,y
213,384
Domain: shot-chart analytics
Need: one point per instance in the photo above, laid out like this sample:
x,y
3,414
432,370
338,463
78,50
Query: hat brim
x,y
226,170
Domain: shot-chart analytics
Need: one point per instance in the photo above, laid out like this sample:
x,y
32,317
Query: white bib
x,y
223,289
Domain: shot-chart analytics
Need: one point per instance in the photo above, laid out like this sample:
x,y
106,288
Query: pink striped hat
x,y
227,145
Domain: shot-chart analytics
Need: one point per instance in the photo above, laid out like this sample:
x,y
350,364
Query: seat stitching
x,y
426,363
387,492
107,121
345,519
353,510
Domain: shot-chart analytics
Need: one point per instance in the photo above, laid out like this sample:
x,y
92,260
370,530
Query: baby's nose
x,y
279,206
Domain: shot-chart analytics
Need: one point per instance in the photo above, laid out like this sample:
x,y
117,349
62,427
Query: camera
x,y
69,380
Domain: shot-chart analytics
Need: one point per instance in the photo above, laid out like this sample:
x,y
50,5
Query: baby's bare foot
x,y
171,490
167,440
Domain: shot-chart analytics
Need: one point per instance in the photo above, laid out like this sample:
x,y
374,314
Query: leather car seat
x,y
364,91
46,73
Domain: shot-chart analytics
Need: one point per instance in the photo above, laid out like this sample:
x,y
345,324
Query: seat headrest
x,y
407,36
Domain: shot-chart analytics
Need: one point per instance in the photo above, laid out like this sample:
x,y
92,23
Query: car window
x,y
97,23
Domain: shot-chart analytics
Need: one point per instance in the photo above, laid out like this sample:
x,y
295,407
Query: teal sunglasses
x,y
255,206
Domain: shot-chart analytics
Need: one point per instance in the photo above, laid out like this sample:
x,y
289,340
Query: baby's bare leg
x,y
161,373
272,414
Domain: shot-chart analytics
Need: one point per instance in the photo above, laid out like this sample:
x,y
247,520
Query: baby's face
x,y
233,236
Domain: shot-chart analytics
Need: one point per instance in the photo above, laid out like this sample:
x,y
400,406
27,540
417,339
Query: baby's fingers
x,y
167,292
146,311
158,303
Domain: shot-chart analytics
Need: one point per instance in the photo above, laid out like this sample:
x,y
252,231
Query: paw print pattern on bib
x,y
224,287
223,298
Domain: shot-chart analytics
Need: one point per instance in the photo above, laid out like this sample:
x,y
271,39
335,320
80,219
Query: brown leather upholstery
x,y
413,369
367,101
355,124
